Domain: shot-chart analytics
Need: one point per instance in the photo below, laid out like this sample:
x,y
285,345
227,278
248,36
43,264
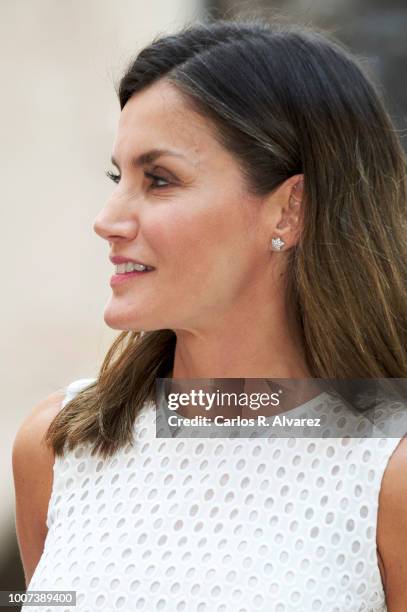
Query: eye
x,y
114,177
155,177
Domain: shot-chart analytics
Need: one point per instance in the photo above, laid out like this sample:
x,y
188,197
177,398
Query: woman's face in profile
x,y
194,223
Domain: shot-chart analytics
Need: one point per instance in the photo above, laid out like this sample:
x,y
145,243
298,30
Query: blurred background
x,y
60,61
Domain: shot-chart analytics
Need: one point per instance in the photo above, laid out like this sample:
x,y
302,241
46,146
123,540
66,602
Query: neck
x,y
237,353
232,350
238,357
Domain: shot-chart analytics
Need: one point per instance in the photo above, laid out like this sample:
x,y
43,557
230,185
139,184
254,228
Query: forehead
x,y
158,116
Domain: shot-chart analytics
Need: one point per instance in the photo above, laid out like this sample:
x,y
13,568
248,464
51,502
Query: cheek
x,y
206,246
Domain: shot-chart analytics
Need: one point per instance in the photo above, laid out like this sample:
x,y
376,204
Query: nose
x,y
115,222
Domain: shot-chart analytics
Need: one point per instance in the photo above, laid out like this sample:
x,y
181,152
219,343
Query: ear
x,y
288,208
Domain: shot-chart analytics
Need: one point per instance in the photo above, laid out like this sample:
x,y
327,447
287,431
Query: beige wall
x,y
58,113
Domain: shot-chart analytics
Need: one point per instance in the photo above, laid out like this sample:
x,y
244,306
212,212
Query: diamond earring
x,y
277,244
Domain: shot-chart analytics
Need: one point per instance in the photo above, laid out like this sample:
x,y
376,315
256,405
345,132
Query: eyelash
x,y
116,178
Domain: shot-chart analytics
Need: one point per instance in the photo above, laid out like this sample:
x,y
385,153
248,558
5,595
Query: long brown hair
x,y
285,100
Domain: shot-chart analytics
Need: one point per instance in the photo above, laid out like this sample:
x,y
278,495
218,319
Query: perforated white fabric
x,y
216,525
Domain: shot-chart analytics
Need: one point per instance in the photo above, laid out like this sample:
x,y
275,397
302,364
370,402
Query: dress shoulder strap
x,y
74,387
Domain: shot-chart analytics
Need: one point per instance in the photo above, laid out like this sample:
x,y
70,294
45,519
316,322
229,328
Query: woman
x,y
261,187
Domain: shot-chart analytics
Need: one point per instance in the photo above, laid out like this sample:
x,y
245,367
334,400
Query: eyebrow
x,y
149,157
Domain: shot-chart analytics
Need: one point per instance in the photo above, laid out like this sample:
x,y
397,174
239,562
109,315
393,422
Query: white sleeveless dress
x,y
216,525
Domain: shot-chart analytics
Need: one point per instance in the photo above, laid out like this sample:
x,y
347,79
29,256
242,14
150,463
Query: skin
x,y
217,283
392,529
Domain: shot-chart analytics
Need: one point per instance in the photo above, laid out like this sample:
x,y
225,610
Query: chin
x,y
120,321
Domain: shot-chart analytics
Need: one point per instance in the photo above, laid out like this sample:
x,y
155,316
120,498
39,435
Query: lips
x,y
117,259
117,279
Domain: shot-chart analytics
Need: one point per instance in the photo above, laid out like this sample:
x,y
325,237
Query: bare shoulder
x,y
32,462
392,528
30,434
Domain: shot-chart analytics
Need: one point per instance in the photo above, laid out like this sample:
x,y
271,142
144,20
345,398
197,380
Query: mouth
x,y
124,268
121,277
